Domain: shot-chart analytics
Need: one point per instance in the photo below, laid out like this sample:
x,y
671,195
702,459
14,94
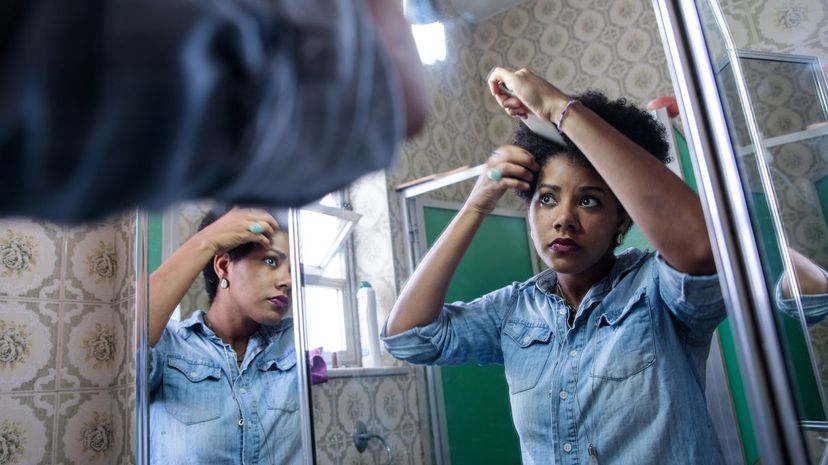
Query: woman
x,y
223,382
604,354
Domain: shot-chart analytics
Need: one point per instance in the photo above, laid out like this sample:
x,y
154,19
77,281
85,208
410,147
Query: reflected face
x,y
260,282
574,218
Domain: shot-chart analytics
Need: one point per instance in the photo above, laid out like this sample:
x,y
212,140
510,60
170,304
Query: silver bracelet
x,y
564,111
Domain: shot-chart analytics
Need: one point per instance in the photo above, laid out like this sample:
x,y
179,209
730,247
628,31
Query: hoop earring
x,y
619,238
224,283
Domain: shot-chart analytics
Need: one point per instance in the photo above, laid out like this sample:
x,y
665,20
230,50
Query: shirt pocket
x,y
280,386
192,390
624,343
526,350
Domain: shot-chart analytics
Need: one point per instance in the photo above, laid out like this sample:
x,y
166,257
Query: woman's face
x,y
260,282
574,219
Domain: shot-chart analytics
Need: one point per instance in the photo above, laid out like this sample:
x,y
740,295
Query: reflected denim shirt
x,y
206,409
814,306
627,378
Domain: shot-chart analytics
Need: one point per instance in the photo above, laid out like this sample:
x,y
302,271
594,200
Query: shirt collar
x,y
196,322
545,280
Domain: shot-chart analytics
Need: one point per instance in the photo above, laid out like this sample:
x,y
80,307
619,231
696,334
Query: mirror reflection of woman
x,y
604,354
813,287
223,382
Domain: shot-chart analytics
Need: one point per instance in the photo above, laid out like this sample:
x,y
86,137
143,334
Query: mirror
x,y
222,367
67,357
775,103
415,415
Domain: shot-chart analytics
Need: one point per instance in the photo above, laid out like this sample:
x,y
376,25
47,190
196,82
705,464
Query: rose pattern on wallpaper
x,y
97,435
102,262
45,367
14,344
11,442
100,345
16,254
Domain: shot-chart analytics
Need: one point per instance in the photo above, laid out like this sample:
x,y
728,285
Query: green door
x,y
478,417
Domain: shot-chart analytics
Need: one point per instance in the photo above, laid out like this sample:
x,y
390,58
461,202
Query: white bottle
x,y
368,332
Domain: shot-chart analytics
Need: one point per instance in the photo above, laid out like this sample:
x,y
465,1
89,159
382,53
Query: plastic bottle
x,y
368,331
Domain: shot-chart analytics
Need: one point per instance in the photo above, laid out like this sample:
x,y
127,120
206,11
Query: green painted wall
x,y
154,237
822,193
478,415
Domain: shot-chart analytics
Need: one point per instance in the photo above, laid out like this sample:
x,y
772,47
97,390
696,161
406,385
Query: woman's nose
x,y
283,280
565,218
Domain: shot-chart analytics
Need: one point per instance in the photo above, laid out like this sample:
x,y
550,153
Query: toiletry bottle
x,y
368,331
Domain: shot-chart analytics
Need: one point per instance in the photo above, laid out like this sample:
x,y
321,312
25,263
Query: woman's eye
x,y
589,202
271,261
546,199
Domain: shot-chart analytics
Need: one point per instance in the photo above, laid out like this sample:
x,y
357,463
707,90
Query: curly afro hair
x,y
638,125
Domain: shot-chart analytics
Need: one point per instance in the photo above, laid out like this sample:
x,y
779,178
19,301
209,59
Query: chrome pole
x,y
301,340
141,340
737,255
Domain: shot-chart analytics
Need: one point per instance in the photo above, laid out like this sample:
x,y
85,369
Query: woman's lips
x,y
279,301
564,246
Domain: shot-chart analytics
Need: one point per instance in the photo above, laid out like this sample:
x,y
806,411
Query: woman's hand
x,y
517,168
233,229
531,94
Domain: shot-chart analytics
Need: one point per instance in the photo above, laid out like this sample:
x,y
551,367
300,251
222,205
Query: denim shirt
x,y
814,306
206,409
627,378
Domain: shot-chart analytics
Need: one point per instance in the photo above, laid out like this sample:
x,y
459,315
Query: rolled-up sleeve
x,y
462,333
696,301
814,306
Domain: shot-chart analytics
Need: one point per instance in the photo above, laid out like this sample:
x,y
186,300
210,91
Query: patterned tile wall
x,y
387,405
67,369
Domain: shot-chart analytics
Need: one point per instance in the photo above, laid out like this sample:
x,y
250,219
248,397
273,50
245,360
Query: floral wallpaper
x,y
67,370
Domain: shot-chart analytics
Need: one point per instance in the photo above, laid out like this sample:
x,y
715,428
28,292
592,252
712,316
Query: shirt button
x,y
193,374
573,353
243,390
563,394
567,447
562,311
241,421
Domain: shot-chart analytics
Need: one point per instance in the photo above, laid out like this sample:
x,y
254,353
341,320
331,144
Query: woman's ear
x,y
624,223
221,265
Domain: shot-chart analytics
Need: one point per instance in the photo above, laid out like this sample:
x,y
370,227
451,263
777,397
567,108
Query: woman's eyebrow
x,y
278,252
593,189
556,188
